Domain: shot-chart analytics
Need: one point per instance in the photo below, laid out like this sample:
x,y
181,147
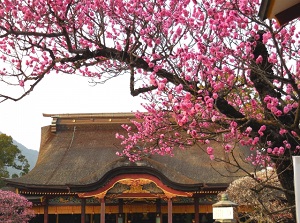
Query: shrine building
x,y
78,178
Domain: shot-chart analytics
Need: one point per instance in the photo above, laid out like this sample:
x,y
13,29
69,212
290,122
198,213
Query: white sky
x,y
58,94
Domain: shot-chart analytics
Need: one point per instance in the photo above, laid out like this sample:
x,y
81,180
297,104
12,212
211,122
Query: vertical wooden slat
x,y
83,203
170,207
102,211
46,216
196,203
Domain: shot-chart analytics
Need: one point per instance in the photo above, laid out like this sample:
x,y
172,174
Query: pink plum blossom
x,y
209,71
14,208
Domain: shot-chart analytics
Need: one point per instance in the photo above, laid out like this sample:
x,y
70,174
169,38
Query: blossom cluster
x,y
193,61
14,208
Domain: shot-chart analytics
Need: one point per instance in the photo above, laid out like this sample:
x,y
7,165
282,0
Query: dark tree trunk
x,y
286,177
262,76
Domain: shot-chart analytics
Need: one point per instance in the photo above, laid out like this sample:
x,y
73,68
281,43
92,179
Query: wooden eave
x,y
168,192
282,11
37,188
128,171
111,177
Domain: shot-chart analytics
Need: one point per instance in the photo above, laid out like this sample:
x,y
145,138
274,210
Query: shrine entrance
x,y
141,218
79,179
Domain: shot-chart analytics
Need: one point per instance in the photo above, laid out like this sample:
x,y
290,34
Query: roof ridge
x,y
91,115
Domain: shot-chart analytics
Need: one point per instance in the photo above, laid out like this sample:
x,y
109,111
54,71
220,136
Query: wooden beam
x,y
102,214
196,204
288,15
170,210
83,203
46,216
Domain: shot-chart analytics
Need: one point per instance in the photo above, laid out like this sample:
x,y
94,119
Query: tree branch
x,y
135,92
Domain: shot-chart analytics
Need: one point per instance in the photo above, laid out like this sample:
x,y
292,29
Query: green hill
x,y
30,154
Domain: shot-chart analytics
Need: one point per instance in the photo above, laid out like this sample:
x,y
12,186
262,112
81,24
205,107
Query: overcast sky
x,y
58,94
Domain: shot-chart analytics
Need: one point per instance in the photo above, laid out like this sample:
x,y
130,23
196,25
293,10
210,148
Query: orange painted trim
x,y
270,9
169,192
136,195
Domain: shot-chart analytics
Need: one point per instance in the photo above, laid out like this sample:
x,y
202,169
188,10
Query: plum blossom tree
x,y
210,69
14,208
261,196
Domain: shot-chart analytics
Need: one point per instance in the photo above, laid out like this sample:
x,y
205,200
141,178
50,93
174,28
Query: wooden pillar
x,y
102,211
196,203
120,214
170,210
120,206
46,216
158,206
158,218
83,203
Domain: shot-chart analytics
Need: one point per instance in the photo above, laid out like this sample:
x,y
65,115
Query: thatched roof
x,y
80,150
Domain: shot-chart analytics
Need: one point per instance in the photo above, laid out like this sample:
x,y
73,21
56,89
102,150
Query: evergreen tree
x,y
11,156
